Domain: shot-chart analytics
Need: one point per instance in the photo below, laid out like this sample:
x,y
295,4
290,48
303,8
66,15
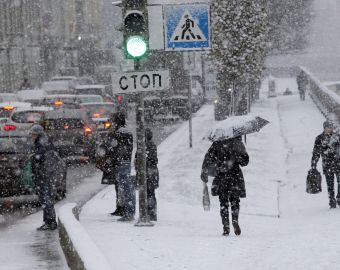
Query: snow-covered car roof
x,y
4,97
31,94
15,104
97,103
90,86
33,108
56,85
66,114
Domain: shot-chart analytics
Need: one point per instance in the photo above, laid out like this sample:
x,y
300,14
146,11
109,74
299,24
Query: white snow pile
x,y
83,244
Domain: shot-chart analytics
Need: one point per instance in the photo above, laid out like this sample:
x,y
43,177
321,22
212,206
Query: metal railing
x,y
325,99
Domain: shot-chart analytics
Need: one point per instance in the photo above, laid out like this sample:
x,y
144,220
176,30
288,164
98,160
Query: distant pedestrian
x,y
118,147
327,145
227,156
25,85
44,160
152,174
302,82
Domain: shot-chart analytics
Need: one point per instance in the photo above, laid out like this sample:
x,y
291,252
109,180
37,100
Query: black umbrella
x,y
236,126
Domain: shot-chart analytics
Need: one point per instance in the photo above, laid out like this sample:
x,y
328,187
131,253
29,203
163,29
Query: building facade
x,y
42,38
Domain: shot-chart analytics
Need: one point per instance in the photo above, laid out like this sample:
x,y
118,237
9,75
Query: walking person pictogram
x,y
187,27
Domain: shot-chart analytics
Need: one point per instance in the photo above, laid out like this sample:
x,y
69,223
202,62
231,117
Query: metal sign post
x,y
144,218
190,111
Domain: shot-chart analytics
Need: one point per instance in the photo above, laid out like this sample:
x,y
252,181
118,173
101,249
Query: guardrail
x,y
80,251
326,100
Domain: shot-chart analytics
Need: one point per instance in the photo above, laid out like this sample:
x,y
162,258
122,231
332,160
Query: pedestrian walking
x,y
327,146
44,160
118,148
302,82
152,173
226,156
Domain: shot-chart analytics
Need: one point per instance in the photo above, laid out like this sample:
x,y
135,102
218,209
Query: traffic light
x,y
136,37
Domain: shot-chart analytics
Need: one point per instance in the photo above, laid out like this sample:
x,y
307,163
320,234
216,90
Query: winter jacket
x,y
152,173
228,155
327,146
46,168
117,147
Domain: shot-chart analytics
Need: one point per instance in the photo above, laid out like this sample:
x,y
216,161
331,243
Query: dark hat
x,y
37,130
328,124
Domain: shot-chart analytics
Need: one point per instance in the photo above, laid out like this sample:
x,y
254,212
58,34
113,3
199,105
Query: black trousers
x,y
47,199
330,176
227,198
152,204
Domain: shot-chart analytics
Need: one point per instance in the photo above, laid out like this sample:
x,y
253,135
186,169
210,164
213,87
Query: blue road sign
x,y
187,27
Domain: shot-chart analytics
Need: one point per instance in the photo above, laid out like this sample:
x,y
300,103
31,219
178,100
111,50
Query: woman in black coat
x,y
226,156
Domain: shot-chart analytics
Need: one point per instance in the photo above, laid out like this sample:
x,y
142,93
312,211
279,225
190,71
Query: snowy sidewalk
x,y
186,237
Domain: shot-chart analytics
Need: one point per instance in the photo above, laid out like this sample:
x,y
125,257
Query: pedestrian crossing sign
x,y
187,27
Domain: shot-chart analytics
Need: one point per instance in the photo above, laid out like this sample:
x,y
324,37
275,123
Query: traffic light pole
x,y
144,219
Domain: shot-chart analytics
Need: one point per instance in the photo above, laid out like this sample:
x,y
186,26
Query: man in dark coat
x,y
302,82
44,160
118,148
227,155
152,174
326,145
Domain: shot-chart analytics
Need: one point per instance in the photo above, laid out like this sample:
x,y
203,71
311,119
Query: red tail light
x,y
9,128
120,99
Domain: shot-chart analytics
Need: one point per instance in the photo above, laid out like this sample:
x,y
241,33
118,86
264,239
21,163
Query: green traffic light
x,y
136,46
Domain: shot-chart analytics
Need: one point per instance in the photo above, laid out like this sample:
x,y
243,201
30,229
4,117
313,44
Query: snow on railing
x,y
327,100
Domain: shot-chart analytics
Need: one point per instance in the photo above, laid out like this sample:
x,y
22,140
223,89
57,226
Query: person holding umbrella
x,y
227,155
224,160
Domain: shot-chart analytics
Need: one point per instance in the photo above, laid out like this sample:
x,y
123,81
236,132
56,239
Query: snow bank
x,y
80,251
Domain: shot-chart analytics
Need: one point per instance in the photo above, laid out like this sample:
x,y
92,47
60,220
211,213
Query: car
x,y
58,87
72,134
101,114
85,80
72,80
33,96
180,106
70,101
22,119
6,110
9,97
95,89
15,172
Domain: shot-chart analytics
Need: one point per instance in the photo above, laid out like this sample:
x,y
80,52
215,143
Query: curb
x,y
80,251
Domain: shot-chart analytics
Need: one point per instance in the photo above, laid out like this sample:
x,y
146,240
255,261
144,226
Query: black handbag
x,y
313,184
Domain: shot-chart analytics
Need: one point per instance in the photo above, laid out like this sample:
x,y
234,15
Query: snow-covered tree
x,y
239,42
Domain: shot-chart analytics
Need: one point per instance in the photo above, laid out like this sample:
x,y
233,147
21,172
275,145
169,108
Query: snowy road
x,y
305,237
22,247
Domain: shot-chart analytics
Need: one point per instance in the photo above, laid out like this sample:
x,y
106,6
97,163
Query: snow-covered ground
x,y
185,237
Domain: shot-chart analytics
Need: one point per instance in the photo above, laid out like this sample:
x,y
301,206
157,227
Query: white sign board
x,y
187,27
131,82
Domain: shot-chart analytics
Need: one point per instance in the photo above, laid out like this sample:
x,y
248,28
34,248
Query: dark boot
x,y
236,226
332,203
226,231
118,212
